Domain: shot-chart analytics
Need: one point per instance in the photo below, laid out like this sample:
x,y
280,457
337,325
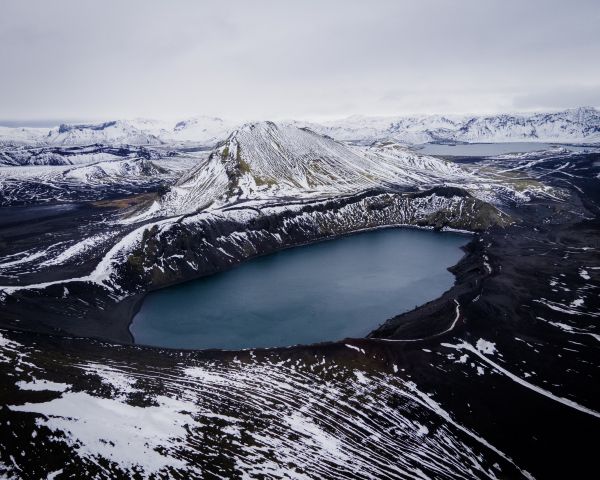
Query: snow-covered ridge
x,y
268,162
116,132
197,130
90,180
265,160
580,125
72,155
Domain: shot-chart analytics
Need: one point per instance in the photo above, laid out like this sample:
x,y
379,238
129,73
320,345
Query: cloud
x,y
560,97
273,59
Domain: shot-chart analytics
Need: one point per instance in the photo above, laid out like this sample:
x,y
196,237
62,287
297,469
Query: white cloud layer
x,y
309,59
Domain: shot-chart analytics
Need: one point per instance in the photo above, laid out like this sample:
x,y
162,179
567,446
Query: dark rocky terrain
x,y
495,379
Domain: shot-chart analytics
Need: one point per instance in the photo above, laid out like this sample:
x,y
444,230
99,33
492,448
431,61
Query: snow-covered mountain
x,y
580,125
199,130
265,160
20,136
113,171
203,131
72,155
112,133
118,132
107,176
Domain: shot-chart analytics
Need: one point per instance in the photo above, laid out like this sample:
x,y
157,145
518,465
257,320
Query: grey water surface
x,y
490,149
325,291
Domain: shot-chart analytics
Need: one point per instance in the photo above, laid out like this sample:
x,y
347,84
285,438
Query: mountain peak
x,y
267,161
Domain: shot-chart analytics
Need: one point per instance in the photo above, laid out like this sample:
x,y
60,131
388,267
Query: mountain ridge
x,y
577,125
265,160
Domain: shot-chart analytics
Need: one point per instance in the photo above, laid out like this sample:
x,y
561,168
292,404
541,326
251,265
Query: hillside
x,y
269,161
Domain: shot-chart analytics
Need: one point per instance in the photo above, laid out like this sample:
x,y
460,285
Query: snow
x,y
568,126
120,432
54,474
486,263
7,346
578,302
564,401
433,406
104,270
25,258
570,329
267,161
353,347
114,133
113,169
78,249
275,418
40,385
568,309
197,130
360,376
22,135
486,347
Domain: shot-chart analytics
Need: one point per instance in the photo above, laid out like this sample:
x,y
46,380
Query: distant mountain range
x,y
197,130
580,125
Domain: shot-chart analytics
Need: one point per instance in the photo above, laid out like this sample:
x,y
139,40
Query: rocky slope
x,y
267,161
73,155
267,187
182,248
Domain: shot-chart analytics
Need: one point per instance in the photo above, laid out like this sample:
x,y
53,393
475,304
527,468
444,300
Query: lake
x,y
325,291
490,149
29,213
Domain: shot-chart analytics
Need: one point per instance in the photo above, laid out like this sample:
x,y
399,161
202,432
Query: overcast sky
x,y
254,59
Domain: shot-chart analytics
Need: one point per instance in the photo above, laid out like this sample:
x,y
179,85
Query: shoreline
x,y
138,300
105,310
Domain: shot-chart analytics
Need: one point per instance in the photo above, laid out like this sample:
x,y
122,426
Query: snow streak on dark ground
x,y
506,388
244,416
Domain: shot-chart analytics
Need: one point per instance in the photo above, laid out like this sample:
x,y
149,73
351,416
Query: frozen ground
x,y
496,379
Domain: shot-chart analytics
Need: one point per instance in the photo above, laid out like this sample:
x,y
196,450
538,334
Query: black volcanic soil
x,y
90,309
503,288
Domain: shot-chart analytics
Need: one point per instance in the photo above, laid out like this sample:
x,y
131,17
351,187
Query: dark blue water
x,y
10,215
326,291
491,149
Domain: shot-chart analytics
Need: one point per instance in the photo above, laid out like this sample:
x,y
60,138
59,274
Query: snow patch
x,y
486,347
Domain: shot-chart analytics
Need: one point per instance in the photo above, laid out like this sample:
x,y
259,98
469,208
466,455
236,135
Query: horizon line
x,y
49,122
